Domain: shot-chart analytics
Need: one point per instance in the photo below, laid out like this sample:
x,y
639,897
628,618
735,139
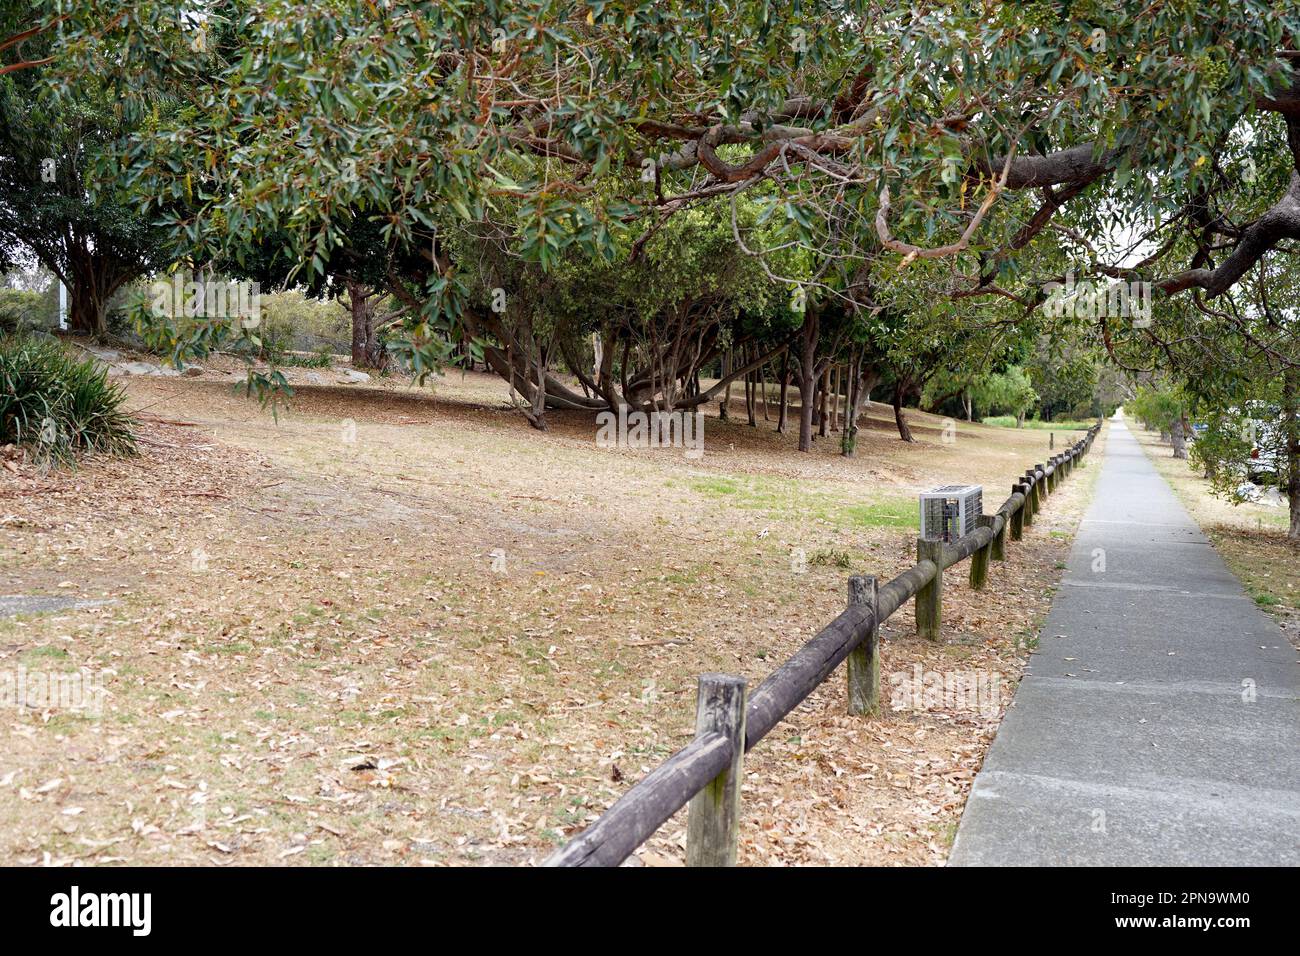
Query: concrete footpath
x,y
1157,721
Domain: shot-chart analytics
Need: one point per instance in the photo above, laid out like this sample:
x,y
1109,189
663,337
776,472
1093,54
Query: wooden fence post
x,y
929,600
1018,516
864,660
979,561
998,550
1042,487
713,819
1031,499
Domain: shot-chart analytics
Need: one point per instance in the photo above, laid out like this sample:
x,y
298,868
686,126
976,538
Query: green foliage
x,y
303,121
1158,407
1010,391
59,407
447,149
1064,376
1240,444
1009,421
57,204
21,310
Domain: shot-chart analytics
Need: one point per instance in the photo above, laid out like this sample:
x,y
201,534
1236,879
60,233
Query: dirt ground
x,y
1250,537
397,625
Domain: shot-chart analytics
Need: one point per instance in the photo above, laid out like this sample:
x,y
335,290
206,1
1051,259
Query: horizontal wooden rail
x,y
710,762
647,806
787,686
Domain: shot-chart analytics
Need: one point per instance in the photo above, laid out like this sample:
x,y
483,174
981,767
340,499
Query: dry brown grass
x,y
1250,537
311,660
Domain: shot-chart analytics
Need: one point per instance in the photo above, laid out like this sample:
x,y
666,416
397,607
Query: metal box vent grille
x,y
949,511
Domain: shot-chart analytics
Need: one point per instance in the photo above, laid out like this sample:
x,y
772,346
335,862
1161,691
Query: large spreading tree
x,y
1004,147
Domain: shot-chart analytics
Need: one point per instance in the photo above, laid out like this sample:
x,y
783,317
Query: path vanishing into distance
x,y
1157,721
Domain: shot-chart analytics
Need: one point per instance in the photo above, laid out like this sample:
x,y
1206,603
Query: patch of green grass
x,y
1267,600
67,723
895,513
47,651
948,832
716,486
234,647
320,854
787,499
680,577
1009,421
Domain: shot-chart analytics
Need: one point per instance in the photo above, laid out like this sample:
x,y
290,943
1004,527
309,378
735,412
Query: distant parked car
x,y
1268,444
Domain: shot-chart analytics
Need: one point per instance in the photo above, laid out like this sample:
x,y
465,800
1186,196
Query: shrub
x,y
20,310
58,407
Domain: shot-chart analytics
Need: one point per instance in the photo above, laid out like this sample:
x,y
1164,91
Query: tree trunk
x,y
367,349
1291,430
86,313
537,416
1178,438
823,397
835,395
904,432
724,407
762,391
807,378
849,435
785,392
966,404
89,288
360,333
751,394
1020,419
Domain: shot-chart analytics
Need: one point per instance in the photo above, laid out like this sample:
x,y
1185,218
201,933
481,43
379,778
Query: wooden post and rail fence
x,y
707,772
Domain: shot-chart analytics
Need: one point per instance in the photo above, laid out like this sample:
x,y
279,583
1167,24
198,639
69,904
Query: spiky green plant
x,y
59,407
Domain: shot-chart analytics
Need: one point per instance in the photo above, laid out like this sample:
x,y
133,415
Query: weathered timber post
x,y
1031,498
979,561
929,600
1041,487
1018,516
864,660
713,819
998,550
